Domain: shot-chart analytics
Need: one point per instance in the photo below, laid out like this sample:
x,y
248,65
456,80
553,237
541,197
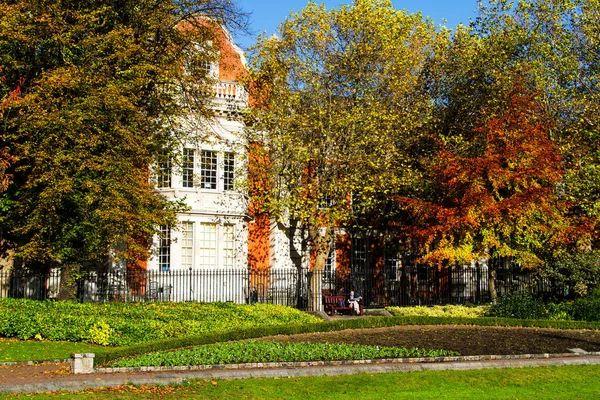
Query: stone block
x,y
82,363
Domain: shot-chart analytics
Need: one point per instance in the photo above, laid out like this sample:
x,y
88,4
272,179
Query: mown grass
x,y
566,382
13,350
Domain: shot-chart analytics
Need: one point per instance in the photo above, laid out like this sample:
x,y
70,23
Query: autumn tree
x,y
499,198
336,109
104,88
556,43
6,97
546,50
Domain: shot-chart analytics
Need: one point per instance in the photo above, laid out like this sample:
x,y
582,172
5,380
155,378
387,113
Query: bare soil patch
x,y
467,340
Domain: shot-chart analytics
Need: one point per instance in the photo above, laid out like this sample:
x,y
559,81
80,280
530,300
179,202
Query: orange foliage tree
x,y
6,96
496,193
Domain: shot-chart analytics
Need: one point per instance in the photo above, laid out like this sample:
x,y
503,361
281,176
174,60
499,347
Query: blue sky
x,y
268,14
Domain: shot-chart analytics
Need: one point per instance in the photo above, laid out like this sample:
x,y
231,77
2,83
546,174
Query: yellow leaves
x,y
342,101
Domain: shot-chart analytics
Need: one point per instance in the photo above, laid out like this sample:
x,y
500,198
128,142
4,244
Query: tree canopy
x,y
101,88
478,141
336,108
515,141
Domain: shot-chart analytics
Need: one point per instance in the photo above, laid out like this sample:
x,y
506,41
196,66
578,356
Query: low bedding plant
x,y
269,351
519,305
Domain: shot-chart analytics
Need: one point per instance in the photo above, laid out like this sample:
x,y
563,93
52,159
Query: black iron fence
x,y
403,285
285,286
415,284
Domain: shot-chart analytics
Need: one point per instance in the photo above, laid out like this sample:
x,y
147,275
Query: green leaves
x,y
263,352
497,178
339,107
101,88
120,324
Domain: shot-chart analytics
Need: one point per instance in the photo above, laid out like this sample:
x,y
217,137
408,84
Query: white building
x,y
213,233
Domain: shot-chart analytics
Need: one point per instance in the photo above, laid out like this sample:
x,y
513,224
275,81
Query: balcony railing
x,y
230,91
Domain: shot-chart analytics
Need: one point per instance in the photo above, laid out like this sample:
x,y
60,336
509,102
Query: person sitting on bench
x,y
353,302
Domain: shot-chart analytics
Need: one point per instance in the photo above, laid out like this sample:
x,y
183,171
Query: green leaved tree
x,y
104,88
337,111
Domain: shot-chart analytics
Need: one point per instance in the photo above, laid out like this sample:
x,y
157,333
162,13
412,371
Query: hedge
x,y
124,324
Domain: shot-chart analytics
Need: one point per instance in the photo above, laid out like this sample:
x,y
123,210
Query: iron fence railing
x,y
406,285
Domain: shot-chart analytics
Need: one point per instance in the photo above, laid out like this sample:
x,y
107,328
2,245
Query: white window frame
x,y
207,245
187,170
228,170
187,245
211,67
209,169
164,175
359,255
228,248
164,248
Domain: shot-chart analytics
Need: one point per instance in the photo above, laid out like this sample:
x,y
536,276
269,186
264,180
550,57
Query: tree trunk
x,y
296,254
68,282
321,239
316,282
492,271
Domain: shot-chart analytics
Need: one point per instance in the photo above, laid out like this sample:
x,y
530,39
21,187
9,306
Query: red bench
x,y
338,304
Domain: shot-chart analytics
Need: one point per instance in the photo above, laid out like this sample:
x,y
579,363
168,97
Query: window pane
x,y
187,245
325,202
188,168
207,243
163,178
228,246
164,248
208,170
359,255
390,267
228,171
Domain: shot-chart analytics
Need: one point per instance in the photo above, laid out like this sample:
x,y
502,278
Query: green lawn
x,y
569,382
30,350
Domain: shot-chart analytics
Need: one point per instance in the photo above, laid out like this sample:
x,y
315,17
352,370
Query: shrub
x,y
101,333
134,323
518,305
438,311
560,311
586,308
523,305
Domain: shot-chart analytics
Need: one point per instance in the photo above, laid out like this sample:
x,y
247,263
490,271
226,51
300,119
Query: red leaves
x,y
497,188
5,158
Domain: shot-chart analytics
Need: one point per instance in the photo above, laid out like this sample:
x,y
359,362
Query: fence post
x,y
451,299
478,291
